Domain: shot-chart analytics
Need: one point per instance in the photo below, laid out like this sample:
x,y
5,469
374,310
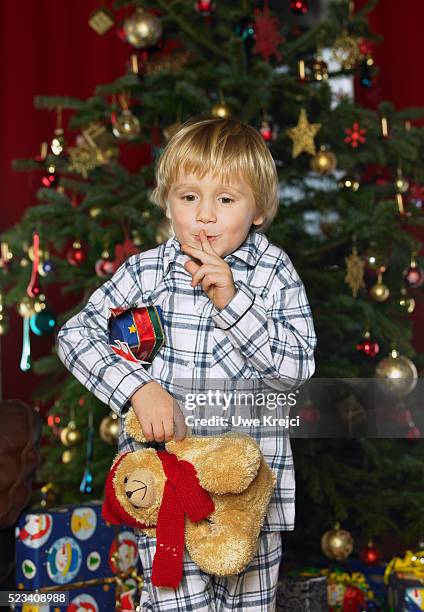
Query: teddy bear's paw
x,y
220,550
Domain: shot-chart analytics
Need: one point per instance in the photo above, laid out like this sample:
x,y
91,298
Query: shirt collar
x,y
250,251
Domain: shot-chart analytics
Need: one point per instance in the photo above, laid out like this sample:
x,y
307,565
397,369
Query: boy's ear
x,y
258,220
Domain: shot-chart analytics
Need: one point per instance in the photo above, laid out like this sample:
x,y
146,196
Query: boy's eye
x,y
190,195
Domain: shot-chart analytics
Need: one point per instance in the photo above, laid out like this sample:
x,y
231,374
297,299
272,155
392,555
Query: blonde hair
x,y
221,147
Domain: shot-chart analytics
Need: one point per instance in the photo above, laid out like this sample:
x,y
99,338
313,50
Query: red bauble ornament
x,y
76,255
355,135
414,276
268,132
309,413
369,554
104,268
368,347
299,7
204,7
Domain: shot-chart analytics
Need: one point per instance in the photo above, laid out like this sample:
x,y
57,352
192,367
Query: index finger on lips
x,y
206,245
199,254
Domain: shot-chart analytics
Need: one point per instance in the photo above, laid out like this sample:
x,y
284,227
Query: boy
x,y
234,308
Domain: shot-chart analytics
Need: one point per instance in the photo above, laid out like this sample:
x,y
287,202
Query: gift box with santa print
x,y
71,548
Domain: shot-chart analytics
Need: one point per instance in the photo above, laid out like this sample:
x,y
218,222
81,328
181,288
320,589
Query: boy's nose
x,y
206,213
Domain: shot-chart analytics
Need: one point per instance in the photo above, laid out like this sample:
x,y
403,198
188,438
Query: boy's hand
x,y
159,414
215,274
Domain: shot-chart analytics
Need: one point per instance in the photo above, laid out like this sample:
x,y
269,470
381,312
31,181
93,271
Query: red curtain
x,y
47,48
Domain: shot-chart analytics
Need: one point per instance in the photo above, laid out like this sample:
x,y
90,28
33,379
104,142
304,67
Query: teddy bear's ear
x,y
133,427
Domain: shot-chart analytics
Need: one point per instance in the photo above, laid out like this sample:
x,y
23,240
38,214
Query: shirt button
x,y
191,364
200,309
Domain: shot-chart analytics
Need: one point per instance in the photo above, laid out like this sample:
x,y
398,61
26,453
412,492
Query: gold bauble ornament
x,y
221,110
397,374
406,302
68,455
324,161
303,135
70,435
164,231
142,29
337,544
109,429
26,307
379,292
126,125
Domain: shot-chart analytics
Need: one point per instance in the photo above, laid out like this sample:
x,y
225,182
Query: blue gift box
x,y
61,547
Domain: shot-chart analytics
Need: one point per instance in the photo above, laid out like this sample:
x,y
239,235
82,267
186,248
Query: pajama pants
x,y
255,588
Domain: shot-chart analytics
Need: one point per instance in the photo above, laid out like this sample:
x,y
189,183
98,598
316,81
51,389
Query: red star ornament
x,y
267,34
355,135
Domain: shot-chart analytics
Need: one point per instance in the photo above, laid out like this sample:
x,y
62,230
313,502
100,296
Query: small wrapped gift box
x,y
302,593
136,333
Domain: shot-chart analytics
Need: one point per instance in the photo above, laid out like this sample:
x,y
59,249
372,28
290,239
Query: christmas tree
x,y
350,188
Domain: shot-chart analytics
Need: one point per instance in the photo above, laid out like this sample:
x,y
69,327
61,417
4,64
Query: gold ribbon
x,y
412,563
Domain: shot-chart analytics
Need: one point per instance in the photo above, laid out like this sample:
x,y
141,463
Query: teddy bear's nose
x,y
140,488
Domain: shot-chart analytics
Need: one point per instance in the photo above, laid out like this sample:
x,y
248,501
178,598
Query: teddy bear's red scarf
x,y
182,495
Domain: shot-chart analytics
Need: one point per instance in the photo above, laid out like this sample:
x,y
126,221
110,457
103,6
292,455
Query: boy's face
x,y
224,211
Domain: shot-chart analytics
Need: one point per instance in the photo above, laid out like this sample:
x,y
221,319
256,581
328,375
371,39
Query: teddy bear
x,y
209,494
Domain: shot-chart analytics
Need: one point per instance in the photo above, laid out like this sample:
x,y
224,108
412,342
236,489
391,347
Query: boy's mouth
x,y
209,237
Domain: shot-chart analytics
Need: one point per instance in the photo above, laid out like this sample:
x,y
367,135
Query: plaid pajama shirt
x,y
264,336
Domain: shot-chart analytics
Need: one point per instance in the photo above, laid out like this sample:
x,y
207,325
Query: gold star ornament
x,y
303,135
